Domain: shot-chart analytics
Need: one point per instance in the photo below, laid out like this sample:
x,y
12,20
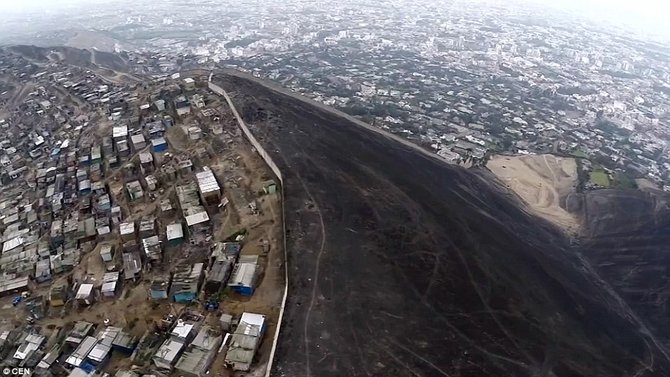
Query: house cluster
x,y
182,344
99,202
84,347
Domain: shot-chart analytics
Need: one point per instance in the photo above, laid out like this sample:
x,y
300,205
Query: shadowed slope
x,y
402,265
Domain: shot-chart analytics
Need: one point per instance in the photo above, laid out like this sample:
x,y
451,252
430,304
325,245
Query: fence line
x,y
268,160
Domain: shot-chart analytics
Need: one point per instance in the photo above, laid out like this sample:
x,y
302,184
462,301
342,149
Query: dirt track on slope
x,y
543,182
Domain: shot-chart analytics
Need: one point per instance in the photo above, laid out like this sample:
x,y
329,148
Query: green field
x,y
600,178
578,153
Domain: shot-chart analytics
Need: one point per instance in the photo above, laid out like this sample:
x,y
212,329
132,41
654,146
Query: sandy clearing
x,y
543,182
646,185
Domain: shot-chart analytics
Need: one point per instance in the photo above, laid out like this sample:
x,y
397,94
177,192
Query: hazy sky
x,y
644,14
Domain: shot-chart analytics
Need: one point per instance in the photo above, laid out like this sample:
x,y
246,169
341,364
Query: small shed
x,y
175,234
85,294
107,253
110,284
270,186
43,270
58,295
243,279
159,288
138,141
159,145
127,231
226,321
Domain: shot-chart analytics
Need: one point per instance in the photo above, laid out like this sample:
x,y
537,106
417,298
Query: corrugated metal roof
x,y
169,350
82,351
197,218
84,291
138,139
243,275
11,244
175,231
120,131
207,181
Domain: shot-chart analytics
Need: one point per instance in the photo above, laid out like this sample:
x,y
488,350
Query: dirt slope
x,y
403,266
543,182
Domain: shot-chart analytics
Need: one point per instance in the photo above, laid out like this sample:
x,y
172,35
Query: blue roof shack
x,y
243,279
159,288
159,145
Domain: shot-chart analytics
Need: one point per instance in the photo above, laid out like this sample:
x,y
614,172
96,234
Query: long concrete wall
x,y
268,160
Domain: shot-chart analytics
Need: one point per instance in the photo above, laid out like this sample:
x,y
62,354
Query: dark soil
x,y
401,265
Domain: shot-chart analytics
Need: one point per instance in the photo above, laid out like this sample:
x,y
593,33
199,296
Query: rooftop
x,y
207,181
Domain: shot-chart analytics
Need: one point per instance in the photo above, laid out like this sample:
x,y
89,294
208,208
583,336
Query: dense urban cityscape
x,y
464,82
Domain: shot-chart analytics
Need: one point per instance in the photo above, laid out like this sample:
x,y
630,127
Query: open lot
x,y
600,178
543,182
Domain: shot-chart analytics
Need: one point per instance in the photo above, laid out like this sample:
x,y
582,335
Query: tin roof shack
x,y
85,294
189,84
269,187
122,149
167,354
220,268
102,350
194,133
14,285
124,343
120,133
210,192
50,357
151,183
127,231
134,189
132,265
146,162
110,284
198,357
182,106
29,345
159,288
107,253
43,270
155,129
152,249
245,341
159,105
79,332
78,357
58,294
96,154
186,283
159,145
183,331
243,279
147,227
185,167
226,321
86,231
139,142
175,234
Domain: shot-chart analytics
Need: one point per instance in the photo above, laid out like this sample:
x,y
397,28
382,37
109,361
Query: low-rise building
x,y
245,341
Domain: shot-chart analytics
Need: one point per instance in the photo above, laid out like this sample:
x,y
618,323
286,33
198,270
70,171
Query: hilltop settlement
x,y
141,233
